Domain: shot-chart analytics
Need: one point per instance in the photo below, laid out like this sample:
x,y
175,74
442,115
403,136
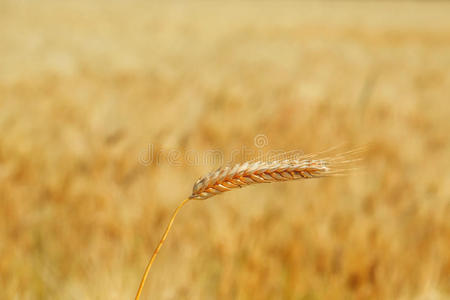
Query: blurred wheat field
x,y
86,87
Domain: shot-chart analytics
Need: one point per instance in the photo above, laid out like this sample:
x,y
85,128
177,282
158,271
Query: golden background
x,y
86,87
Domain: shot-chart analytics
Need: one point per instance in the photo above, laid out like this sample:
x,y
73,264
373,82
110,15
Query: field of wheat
x,y
111,110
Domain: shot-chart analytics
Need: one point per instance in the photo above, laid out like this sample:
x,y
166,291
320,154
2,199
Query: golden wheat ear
x,y
287,166
282,167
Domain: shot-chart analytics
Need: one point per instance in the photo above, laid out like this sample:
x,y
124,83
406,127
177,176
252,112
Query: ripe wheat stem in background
x,y
287,166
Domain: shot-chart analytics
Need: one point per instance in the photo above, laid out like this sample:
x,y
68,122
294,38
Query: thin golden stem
x,y
147,269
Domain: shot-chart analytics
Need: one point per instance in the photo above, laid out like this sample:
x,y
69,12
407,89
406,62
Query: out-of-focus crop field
x,y
108,107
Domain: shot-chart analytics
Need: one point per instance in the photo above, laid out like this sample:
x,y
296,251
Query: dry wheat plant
x,y
287,166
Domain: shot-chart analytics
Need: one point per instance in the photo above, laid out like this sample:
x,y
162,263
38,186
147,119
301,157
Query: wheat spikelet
x,y
283,167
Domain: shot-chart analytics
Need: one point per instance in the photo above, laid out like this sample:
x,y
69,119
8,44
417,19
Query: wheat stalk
x,y
285,167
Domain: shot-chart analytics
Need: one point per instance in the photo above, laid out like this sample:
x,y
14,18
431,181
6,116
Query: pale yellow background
x,y
87,86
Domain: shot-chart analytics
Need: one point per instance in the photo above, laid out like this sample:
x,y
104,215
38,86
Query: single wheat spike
x,y
286,166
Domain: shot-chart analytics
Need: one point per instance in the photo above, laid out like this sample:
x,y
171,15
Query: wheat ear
x,y
272,169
